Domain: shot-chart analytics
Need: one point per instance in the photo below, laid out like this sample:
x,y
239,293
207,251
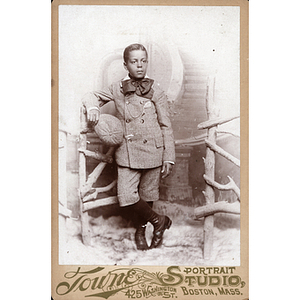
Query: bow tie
x,y
141,87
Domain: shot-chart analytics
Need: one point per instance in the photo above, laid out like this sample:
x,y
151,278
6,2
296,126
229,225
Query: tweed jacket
x,y
148,136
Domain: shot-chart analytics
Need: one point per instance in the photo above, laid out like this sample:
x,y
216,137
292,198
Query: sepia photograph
x,y
149,135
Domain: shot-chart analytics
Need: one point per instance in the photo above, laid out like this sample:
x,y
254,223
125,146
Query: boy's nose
x,y
139,64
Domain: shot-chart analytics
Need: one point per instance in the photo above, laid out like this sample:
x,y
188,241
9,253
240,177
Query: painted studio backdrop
x,y
194,55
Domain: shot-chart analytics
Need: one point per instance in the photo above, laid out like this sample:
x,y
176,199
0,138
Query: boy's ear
x,y
125,66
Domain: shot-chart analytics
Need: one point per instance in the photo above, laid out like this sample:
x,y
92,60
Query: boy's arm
x,y
162,111
93,101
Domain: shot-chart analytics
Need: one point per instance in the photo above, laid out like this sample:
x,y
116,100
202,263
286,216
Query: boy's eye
x,y
135,61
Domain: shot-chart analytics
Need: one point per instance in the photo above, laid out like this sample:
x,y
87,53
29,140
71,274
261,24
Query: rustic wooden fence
x,y
211,206
88,193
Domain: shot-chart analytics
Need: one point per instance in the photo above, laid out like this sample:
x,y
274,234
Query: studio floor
x,y
113,241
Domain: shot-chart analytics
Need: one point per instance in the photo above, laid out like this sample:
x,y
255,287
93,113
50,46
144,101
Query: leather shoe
x,y
140,238
160,224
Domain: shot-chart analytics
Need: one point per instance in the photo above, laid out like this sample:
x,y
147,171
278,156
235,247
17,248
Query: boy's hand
x,y
166,169
93,115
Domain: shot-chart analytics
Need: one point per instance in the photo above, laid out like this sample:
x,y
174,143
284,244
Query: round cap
x,y
109,130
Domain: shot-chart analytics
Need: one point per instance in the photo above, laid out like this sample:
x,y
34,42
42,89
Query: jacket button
x,y
145,141
142,121
127,120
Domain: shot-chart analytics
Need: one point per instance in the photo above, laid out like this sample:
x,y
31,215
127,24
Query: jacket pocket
x,y
159,142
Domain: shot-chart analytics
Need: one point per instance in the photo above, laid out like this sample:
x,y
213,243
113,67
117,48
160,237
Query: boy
x,y
148,144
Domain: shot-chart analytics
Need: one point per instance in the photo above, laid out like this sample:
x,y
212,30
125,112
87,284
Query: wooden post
x,y
85,224
209,164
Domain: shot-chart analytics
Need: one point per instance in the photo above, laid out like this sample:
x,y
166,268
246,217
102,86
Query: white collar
x,y
127,77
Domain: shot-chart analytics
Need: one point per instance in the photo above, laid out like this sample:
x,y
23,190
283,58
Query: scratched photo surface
x,y
194,55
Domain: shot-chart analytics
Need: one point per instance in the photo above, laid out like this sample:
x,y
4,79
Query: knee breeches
x,y
136,184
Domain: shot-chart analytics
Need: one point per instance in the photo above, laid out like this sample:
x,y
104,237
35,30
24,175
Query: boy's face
x,y
137,64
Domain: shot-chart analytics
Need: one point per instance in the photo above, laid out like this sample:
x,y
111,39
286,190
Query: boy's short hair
x,y
133,47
